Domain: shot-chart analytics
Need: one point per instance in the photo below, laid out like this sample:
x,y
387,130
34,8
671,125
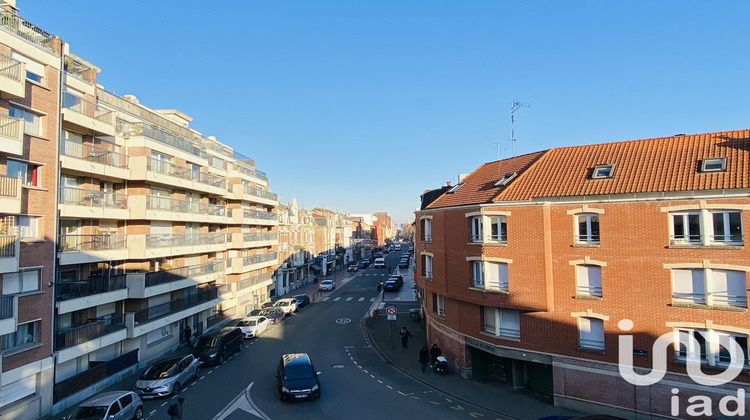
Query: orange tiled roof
x,y
479,186
654,165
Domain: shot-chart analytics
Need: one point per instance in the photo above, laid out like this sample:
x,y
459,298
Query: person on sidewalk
x,y
424,358
405,335
175,410
187,334
434,353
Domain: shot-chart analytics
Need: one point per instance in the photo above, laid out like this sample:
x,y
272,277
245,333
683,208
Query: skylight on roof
x,y
455,188
714,164
506,179
603,171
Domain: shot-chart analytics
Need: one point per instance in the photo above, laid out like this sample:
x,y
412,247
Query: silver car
x,y
112,405
167,376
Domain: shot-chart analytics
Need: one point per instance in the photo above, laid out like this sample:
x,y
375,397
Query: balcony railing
x,y
158,134
89,287
257,214
91,153
8,186
589,290
13,23
158,311
10,127
255,259
258,192
6,306
78,70
11,68
252,281
84,333
161,277
167,168
8,246
252,172
156,240
184,206
97,242
92,198
85,107
255,237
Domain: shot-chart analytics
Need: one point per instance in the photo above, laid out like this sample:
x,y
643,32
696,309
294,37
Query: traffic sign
x,y
391,310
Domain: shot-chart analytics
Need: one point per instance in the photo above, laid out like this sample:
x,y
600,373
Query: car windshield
x,y
207,342
298,372
246,323
267,312
160,370
89,413
282,303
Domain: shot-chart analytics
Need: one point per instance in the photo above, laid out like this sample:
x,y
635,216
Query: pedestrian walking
x,y
187,334
175,410
405,335
424,357
434,353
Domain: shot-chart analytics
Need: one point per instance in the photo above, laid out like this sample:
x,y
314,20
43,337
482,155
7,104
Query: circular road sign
x,y
391,310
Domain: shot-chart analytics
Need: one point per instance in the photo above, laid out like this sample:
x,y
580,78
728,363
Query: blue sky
x,y
359,106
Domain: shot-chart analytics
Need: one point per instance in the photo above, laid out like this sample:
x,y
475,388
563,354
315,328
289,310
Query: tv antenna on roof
x,y
513,107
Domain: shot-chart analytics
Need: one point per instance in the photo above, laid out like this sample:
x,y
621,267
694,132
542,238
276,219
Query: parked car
x,y
253,326
112,405
398,279
379,263
404,263
288,305
297,378
327,285
390,286
273,314
167,376
267,304
352,268
302,300
215,347
363,264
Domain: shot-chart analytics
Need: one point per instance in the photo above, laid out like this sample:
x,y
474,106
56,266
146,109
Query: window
x,y
727,226
714,164
727,287
24,335
498,229
476,229
501,322
506,179
28,173
455,188
21,282
438,304
589,280
710,346
426,228
591,333
427,266
686,228
496,276
32,122
603,171
34,69
477,274
588,228
28,227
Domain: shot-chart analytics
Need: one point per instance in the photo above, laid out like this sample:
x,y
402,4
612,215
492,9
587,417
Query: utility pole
x,y
513,107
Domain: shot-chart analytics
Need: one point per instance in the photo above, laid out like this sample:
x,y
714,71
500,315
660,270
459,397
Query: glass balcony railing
x,y
174,274
97,242
255,259
258,192
256,214
157,240
13,23
92,153
167,168
93,198
87,108
252,281
184,206
187,302
158,134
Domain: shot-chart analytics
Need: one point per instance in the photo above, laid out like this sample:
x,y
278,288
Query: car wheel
x,y
221,359
176,388
197,373
138,413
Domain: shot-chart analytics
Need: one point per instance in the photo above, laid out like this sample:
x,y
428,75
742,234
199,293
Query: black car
x,y
363,264
297,378
213,348
302,300
403,264
391,286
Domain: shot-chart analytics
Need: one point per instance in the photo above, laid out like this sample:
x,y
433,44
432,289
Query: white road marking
x,y
336,299
349,298
361,299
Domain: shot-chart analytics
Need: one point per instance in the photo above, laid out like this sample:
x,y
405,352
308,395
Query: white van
x,y
379,263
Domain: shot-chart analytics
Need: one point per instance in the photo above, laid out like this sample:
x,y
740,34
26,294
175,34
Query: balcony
x,y
22,28
150,319
255,217
98,328
157,245
84,115
164,208
254,194
87,158
9,251
12,77
10,195
253,282
162,172
155,133
82,249
11,135
89,293
254,240
254,262
252,173
93,204
8,314
145,285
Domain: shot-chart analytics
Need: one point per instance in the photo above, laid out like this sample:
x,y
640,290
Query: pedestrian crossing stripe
x,y
372,299
337,299
349,298
361,299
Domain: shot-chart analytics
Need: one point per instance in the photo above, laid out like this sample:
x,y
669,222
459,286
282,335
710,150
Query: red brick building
x,y
535,268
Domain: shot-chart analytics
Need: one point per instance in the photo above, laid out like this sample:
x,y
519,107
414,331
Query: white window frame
x,y
33,123
426,234
687,235
585,221
427,266
477,274
712,287
588,280
25,172
732,229
24,281
603,171
591,333
438,302
501,322
28,227
714,164
21,337
713,341
502,226
477,229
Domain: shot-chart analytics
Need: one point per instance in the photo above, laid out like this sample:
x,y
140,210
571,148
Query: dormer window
x,y
603,171
714,164
455,188
506,179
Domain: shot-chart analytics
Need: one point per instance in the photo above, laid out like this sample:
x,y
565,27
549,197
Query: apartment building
x,y
535,269
120,225
296,245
